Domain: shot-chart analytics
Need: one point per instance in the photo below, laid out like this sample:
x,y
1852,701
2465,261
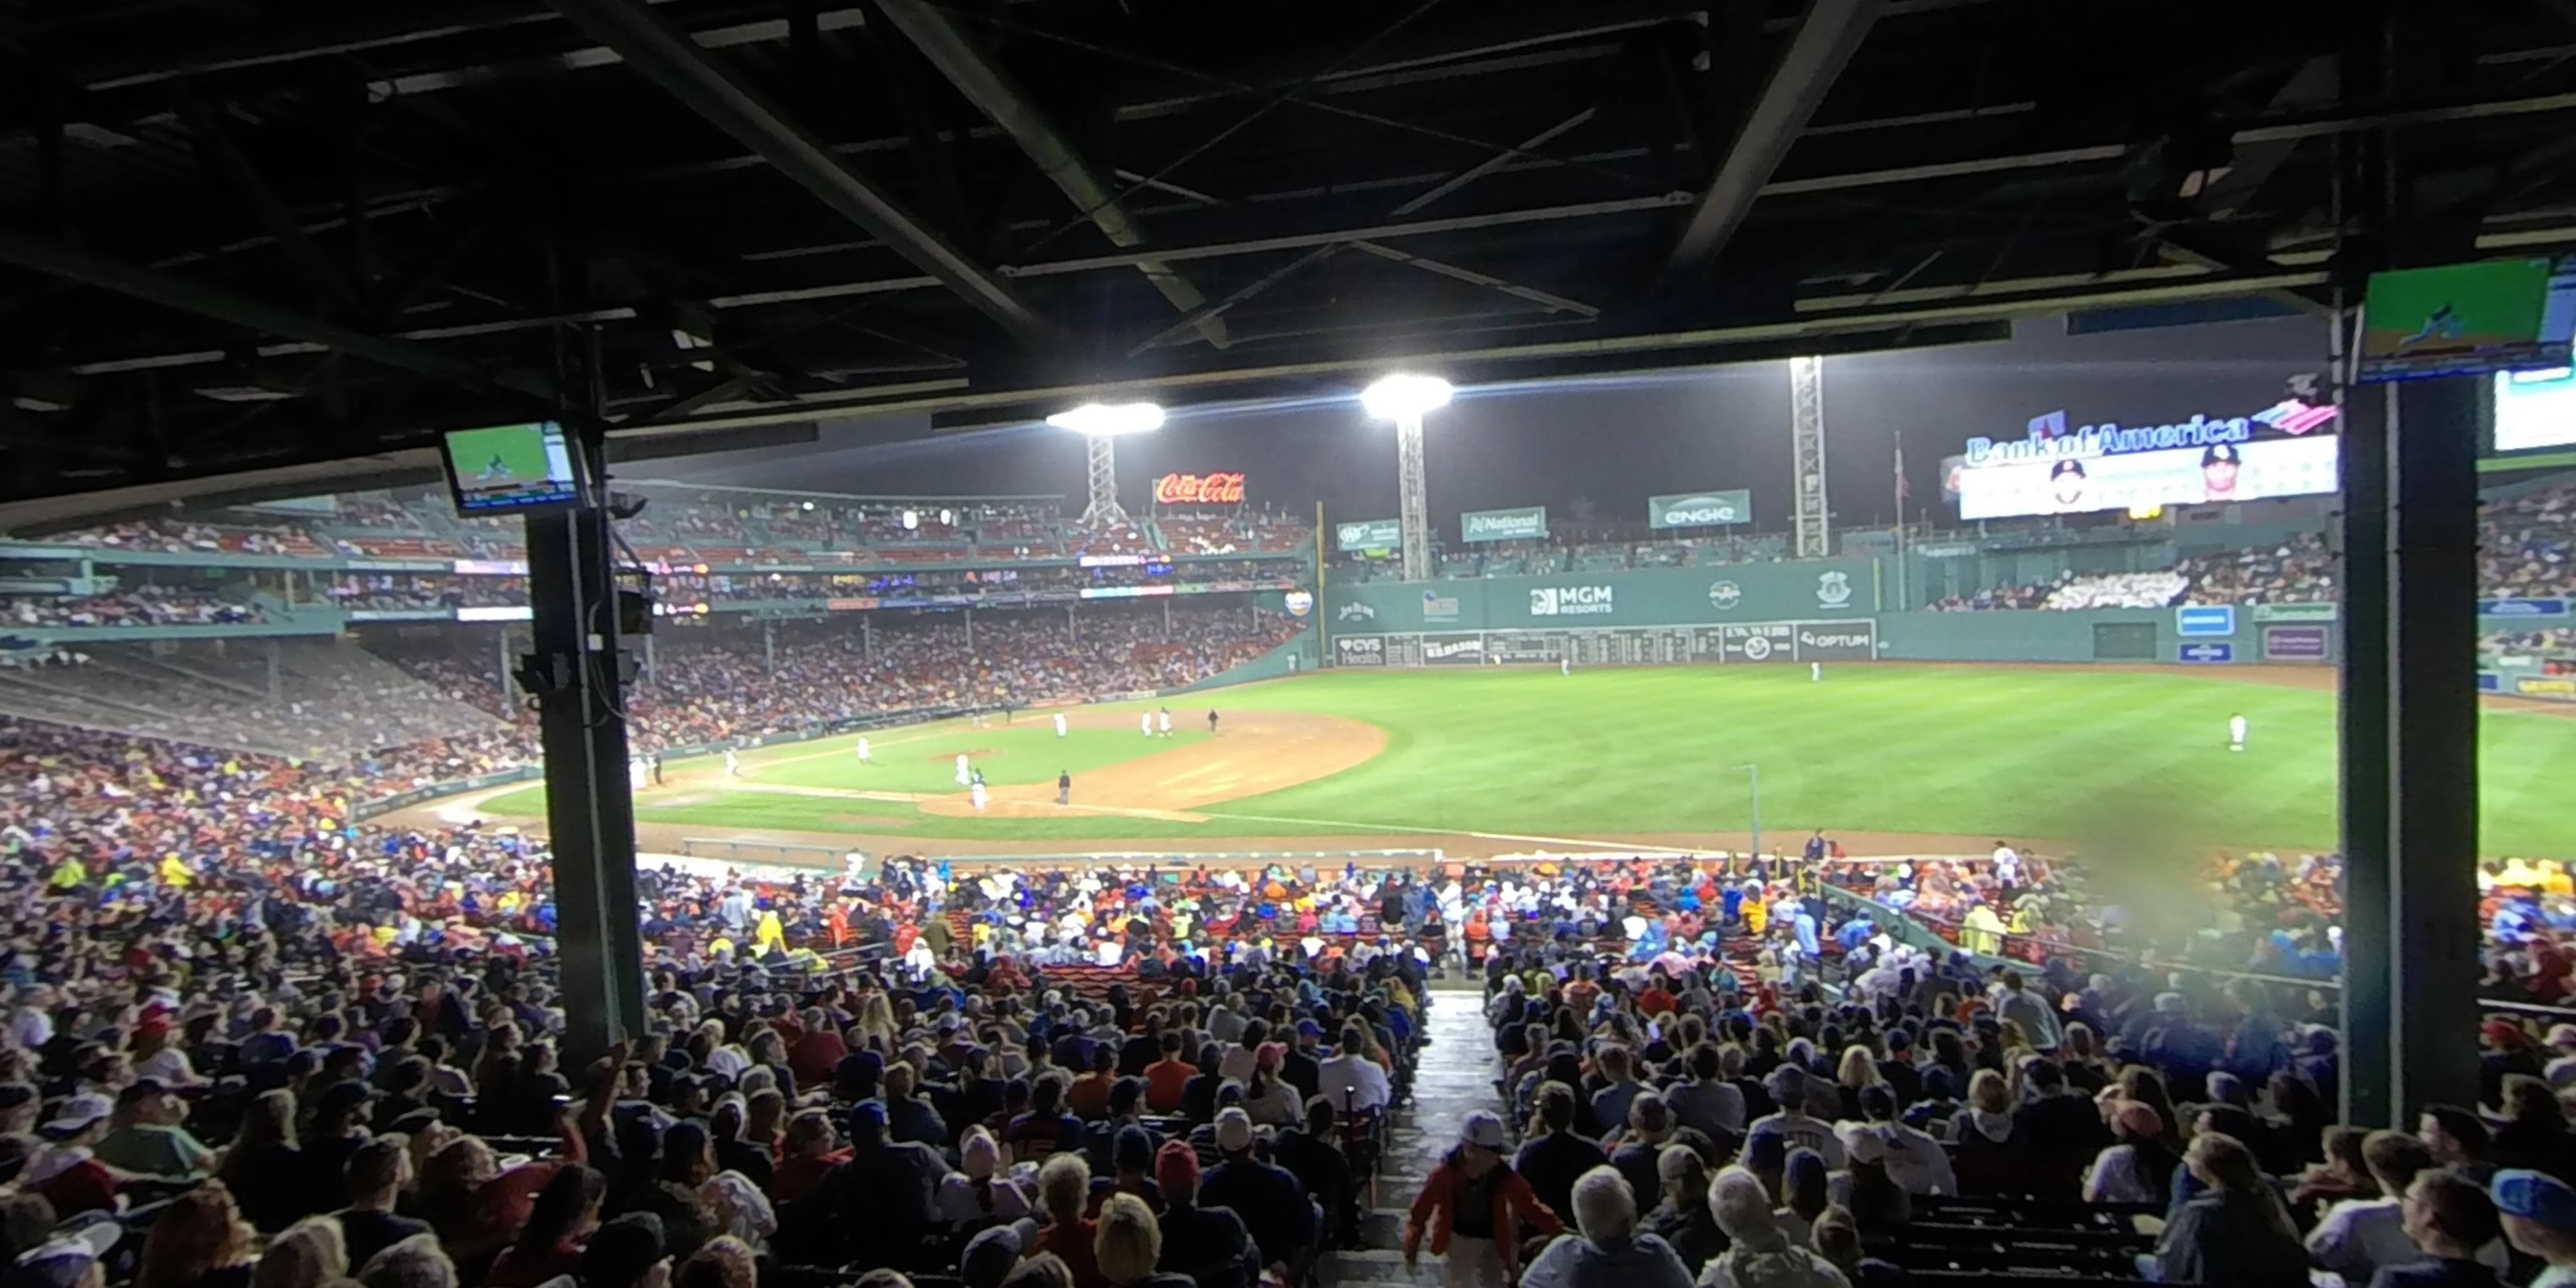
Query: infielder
x,y
733,763
2236,732
1059,724
1145,722
1167,722
863,749
962,779
977,791
636,770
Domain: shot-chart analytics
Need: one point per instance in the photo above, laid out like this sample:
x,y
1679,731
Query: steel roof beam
x,y
671,60
71,264
994,92
1825,42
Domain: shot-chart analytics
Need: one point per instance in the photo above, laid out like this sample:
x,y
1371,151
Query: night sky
x,y
1603,446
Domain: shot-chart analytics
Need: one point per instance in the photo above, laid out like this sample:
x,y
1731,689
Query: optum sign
x,y
1700,509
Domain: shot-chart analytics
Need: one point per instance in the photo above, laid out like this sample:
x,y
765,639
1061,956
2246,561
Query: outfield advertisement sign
x,y
1368,534
2293,612
1571,601
1758,642
1454,650
2296,643
1524,524
1700,509
2556,688
2205,653
2522,608
2205,620
1359,650
2057,467
1840,642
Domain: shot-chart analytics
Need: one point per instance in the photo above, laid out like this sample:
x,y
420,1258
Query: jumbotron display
x,y
2055,469
2535,409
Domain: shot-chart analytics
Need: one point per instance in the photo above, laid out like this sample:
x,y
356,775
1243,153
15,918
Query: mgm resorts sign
x,y
1700,509
1570,601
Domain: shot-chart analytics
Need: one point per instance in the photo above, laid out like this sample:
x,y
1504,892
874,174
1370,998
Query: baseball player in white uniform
x,y
1815,672
1167,722
977,791
1565,666
2236,732
637,772
961,769
1059,724
863,749
733,763
1145,723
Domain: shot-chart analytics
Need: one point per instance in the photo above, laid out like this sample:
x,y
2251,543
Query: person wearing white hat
x,y
73,1258
1472,1206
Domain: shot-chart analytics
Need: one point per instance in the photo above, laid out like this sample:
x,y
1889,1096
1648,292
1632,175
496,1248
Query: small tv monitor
x,y
2466,320
506,469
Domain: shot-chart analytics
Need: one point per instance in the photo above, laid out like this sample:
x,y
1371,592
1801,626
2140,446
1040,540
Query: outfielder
x,y
733,763
1167,722
1565,666
1815,672
2236,732
962,779
1145,722
863,749
1059,724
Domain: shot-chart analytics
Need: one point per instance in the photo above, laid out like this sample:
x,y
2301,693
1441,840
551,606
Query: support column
x,y
501,664
2432,784
276,674
1072,626
867,638
970,631
1807,456
2369,941
590,813
1413,503
769,646
1167,621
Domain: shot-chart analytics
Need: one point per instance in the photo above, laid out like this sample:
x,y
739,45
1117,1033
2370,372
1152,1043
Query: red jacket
x,y
1436,1208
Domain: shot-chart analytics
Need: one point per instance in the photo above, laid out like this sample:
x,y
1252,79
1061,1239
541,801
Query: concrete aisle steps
x,y
1455,1078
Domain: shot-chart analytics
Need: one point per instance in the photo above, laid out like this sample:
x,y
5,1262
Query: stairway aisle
x,y
1455,1078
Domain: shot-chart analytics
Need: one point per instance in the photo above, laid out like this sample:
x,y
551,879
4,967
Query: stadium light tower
x,y
1406,400
1100,425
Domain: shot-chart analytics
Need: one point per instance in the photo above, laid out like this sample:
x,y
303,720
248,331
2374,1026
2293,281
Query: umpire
x,y
1063,787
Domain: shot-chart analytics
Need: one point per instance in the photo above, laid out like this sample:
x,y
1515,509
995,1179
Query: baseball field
x,y
1887,757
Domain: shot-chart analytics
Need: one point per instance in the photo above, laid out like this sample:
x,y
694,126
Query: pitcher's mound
x,y
1255,752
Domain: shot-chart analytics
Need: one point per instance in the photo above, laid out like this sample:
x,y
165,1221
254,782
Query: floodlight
x,y
1099,419
911,520
1401,397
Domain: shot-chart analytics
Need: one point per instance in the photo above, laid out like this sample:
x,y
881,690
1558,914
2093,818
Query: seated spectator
x,y
1758,1255
1989,1160
377,1176
1913,1158
2538,1214
1790,1124
199,1241
1064,1188
1355,1082
1212,1246
1268,1199
2137,1166
981,1190
147,1138
308,1254
566,1213
1128,1246
2234,1233
1554,1157
1607,1248
1682,1217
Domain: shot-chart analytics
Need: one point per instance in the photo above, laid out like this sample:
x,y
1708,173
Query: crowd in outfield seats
x,y
141,604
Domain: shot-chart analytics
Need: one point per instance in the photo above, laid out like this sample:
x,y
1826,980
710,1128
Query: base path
x,y
1253,752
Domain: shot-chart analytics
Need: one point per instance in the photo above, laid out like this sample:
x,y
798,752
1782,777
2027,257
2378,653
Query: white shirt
x,y
2236,728
1357,1075
2358,1236
1914,1160
1797,1131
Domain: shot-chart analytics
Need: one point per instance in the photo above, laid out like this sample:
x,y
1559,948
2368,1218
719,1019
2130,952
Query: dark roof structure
x,y
249,234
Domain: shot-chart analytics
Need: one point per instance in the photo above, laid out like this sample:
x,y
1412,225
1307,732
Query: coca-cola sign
x,y
1199,489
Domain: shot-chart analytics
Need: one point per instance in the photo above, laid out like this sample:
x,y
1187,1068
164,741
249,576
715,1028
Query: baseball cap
x,y
77,1114
16,1095
990,1256
1310,1028
61,1261
2139,1118
2537,1197
341,1097
1176,1166
2066,467
1233,1131
1483,1129
2218,453
140,1090
621,1251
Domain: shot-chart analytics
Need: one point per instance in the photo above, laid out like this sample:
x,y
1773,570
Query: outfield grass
x,y
2042,752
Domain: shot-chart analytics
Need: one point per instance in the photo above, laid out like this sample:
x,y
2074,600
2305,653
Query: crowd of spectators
x,y
250,1038
132,604
2527,545
2299,570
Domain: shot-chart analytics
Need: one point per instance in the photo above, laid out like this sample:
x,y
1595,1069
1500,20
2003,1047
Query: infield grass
x,y
2043,752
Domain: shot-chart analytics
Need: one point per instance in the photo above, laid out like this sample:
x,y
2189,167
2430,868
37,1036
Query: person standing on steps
x,y
1064,787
